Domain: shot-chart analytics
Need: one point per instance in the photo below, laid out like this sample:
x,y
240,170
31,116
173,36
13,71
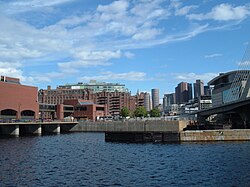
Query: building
x,y
172,110
228,87
86,109
155,97
114,101
207,91
96,86
168,100
204,102
183,92
17,101
198,88
147,103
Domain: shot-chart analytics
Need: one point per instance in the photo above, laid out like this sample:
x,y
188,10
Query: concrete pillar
x,y
51,128
12,130
35,129
57,129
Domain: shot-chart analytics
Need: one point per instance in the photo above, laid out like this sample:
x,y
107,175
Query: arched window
x,y
8,112
28,113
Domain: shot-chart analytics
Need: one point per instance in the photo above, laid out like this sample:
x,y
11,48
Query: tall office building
x,y
155,97
198,88
207,91
168,100
183,92
147,104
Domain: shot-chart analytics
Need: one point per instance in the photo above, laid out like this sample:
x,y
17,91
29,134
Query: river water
x,y
85,159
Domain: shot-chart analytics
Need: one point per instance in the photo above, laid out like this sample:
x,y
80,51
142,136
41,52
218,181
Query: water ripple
x,y
85,159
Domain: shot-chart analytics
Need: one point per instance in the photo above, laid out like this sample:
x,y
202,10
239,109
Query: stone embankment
x,y
159,131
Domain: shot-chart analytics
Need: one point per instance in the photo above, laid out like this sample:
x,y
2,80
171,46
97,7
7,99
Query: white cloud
x,y
97,55
110,76
224,12
191,77
213,55
146,34
119,6
10,65
184,10
11,72
93,38
128,54
90,59
179,9
16,7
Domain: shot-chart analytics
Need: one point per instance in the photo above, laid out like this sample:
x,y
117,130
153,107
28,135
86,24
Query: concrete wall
x,y
131,126
216,135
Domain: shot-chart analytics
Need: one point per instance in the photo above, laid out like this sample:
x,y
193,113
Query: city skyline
x,y
142,44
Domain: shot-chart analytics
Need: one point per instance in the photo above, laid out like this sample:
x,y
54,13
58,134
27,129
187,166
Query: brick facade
x,y
17,101
114,101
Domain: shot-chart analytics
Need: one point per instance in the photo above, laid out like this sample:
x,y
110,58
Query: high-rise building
x,y
190,92
147,104
207,91
198,88
183,92
155,97
168,100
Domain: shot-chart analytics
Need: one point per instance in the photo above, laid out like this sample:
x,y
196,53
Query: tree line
x,y
140,112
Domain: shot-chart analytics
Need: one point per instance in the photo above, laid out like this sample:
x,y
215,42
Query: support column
x,y
35,129
11,130
51,128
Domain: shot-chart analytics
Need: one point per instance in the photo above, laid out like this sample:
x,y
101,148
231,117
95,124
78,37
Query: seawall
x,y
130,126
216,135
159,131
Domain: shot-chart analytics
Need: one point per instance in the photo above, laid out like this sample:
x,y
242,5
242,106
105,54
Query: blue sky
x,y
144,44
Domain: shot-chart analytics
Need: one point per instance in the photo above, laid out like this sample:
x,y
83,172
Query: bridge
x,y
231,96
35,128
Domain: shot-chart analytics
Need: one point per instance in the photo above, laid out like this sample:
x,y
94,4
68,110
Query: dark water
x,y
85,159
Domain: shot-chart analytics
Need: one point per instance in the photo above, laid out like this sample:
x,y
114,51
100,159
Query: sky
x,y
143,44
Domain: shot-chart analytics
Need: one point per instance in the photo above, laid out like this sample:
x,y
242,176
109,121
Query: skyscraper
x,y
183,92
147,101
198,88
207,91
155,97
168,100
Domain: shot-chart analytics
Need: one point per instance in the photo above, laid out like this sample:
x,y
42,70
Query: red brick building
x,y
86,109
114,101
17,102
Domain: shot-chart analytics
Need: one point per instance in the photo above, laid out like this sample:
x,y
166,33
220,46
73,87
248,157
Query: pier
x,y
35,128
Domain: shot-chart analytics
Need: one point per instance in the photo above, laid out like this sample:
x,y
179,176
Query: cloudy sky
x,y
142,43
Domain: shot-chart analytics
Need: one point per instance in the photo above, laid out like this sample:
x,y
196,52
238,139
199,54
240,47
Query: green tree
x,y
140,112
125,112
155,112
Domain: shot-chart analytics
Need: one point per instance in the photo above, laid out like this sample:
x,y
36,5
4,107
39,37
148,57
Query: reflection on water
x,y
85,159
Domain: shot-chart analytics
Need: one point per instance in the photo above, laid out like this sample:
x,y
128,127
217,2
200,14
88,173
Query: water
x,y
85,159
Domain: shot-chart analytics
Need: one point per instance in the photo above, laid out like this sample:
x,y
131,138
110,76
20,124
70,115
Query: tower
x,y
155,97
